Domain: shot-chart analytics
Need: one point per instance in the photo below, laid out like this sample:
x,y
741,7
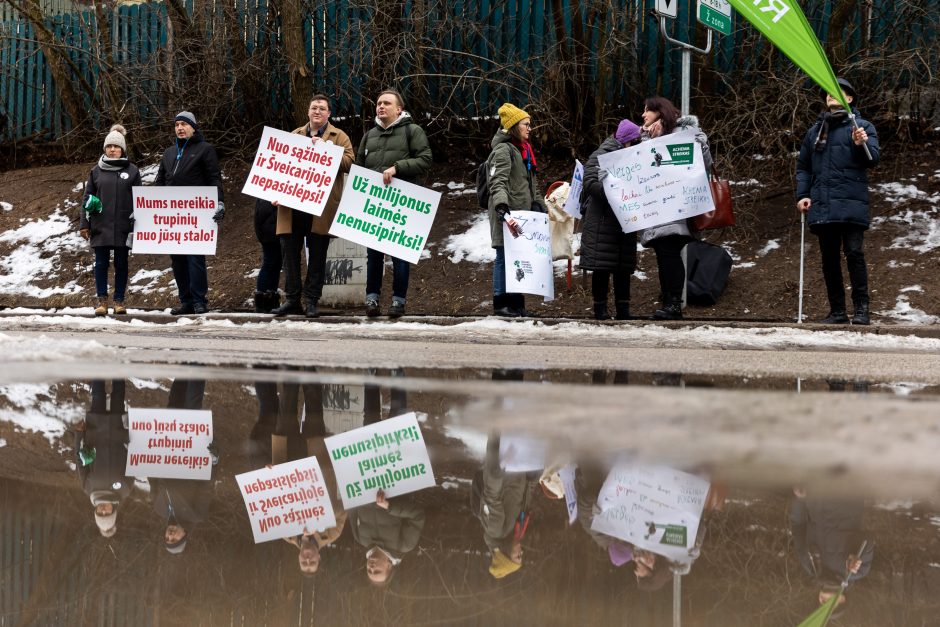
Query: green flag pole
x,y
785,25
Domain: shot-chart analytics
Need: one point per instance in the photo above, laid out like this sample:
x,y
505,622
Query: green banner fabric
x,y
820,618
783,23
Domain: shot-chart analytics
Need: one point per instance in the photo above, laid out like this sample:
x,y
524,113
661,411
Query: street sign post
x,y
667,8
714,14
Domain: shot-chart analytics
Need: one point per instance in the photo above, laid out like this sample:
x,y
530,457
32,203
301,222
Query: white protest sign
x,y
169,443
292,170
567,475
652,507
657,181
529,256
573,204
175,220
286,500
394,219
390,455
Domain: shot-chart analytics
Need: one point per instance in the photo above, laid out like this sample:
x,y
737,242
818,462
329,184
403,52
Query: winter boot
x,y
102,308
862,315
501,306
119,308
289,308
312,311
517,304
600,310
261,303
623,309
273,300
671,309
835,317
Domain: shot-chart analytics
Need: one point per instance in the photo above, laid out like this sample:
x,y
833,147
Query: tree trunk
x,y
299,71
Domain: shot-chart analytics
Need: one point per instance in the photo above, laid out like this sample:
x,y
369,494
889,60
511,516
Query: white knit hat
x,y
107,525
115,137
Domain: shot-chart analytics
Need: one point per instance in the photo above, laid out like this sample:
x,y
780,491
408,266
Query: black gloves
x,y
502,210
220,212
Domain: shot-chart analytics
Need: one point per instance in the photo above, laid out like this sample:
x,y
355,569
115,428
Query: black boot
x,y
671,309
261,303
312,311
862,315
600,310
273,300
835,317
623,309
517,304
289,308
501,306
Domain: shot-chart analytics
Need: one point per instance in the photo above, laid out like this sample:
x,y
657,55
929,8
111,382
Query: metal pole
x,y
799,315
676,600
686,79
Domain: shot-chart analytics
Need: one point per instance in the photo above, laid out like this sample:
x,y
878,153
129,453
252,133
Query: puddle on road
x,y
491,543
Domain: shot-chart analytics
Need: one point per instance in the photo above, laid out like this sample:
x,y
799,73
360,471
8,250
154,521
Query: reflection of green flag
x,y
783,23
820,618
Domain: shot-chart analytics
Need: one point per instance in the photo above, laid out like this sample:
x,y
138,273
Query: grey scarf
x,y
112,165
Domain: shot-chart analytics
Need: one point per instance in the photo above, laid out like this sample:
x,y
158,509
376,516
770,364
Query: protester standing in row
x,y
661,117
107,217
832,187
511,171
269,274
396,147
191,161
294,227
605,249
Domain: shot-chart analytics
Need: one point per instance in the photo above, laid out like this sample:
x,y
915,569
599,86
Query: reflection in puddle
x,y
518,528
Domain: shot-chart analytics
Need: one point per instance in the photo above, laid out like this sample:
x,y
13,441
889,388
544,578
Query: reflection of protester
x,y
296,227
388,529
107,217
191,160
101,454
396,147
827,534
660,117
503,511
832,186
511,175
372,400
269,274
605,249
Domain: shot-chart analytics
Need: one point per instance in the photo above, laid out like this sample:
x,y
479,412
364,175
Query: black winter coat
x,y
604,245
107,435
113,187
198,165
265,222
835,179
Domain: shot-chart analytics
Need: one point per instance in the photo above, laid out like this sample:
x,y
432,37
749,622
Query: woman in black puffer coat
x,y
605,249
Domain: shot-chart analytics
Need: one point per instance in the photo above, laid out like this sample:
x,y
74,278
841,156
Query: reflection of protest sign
x,y
658,181
390,455
652,507
394,219
567,475
169,443
292,170
286,500
573,205
175,220
529,256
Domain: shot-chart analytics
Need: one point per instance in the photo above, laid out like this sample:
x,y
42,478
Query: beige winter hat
x,y
115,137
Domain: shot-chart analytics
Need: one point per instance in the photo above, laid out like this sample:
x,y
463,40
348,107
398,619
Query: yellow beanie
x,y
501,566
510,115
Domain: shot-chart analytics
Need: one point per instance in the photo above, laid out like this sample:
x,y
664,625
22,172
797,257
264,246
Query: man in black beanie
x,y
191,161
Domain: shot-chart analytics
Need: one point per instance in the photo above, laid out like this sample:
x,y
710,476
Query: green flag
x,y
783,23
820,618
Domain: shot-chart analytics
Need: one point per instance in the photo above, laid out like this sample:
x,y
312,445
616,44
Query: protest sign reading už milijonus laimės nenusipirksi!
x,y
292,170
394,219
175,220
657,181
169,443
287,500
529,256
390,455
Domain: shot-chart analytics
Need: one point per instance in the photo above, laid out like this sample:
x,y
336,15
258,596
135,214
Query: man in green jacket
x,y
396,147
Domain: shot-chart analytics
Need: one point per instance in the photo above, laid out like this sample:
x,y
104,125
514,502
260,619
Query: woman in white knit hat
x,y
107,217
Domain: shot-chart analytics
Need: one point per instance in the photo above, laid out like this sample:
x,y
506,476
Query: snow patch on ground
x,y
3,442
903,388
473,245
34,407
253,274
747,183
6,206
912,288
41,348
144,384
474,441
149,174
38,243
904,312
79,187
745,264
152,277
773,244
893,506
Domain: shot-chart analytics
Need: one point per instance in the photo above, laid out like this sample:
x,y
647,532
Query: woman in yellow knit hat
x,y
512,180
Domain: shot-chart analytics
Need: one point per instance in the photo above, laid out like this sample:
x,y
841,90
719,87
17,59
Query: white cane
x,y
799,318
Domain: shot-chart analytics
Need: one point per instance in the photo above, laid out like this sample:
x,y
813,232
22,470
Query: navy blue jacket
x,y
835,179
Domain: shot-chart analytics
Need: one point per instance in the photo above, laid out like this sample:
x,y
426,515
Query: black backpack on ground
x,y
709,267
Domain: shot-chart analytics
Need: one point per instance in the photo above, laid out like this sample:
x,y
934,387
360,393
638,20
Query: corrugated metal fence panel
x,y
471,49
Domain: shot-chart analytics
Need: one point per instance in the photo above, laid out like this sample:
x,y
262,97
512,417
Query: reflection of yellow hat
x,y
510,115
502,566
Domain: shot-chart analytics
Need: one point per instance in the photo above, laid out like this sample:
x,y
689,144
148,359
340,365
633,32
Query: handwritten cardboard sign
x,y
529,256
175,220
653,507
394,219
657,181
390,455
169,443
286,500
292,170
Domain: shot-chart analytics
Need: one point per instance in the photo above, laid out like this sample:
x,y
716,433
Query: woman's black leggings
x,y
600,280
669,262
